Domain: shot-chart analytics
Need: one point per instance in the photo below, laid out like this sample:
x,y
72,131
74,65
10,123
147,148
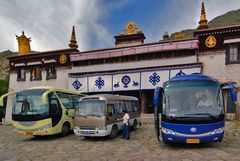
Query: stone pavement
x,y
143,146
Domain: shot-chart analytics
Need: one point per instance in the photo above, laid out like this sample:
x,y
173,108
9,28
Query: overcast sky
x,y
49,22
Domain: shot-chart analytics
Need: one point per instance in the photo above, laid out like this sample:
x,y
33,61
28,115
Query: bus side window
x,y
66,100
75,100
136,106
130,107
110,110
120,106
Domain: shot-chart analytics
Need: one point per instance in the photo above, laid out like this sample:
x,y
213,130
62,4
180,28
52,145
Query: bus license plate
x,y
87,132
29,133
192,141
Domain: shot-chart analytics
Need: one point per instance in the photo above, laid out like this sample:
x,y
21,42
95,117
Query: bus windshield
x,y
91,108
29,103
193,99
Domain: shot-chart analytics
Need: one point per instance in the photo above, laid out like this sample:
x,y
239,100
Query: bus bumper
x,y
171,138
90,133
49,131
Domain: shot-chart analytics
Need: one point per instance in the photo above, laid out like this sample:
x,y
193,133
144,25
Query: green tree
x,y
4,85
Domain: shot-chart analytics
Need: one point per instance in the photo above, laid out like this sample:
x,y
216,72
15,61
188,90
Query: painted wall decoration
x,y
127,80
78,84
100,83
154,78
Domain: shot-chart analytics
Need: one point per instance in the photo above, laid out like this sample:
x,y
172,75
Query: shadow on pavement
x,y
190,146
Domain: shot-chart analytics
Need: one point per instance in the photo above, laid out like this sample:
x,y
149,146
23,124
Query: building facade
x,y
132,67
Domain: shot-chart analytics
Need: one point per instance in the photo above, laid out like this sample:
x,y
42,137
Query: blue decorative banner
x,y
146,79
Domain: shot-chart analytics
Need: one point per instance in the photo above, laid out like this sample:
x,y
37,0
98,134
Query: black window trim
x,y
227,61
21,79
47,73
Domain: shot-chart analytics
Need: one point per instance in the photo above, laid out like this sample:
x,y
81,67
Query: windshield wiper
x,y
94,115
82,116
206,114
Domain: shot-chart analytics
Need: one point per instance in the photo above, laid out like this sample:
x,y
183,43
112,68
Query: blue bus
x,y
191,109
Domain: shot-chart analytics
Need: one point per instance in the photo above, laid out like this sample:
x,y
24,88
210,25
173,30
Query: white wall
x,y
214,66
135,65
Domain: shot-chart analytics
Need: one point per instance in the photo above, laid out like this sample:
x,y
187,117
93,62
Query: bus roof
x,y
53,89
110,97
194,76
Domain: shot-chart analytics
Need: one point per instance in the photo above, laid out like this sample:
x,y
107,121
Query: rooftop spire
x,y
23,44
73,42
203,20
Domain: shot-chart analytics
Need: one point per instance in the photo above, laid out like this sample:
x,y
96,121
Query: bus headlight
x,y
168,131
45,127
101,128
217,131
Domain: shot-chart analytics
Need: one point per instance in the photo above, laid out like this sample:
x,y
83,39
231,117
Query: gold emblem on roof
x,y
63,59
211,41
130,29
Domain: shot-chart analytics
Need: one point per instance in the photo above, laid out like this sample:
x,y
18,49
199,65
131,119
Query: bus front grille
x,y
87,128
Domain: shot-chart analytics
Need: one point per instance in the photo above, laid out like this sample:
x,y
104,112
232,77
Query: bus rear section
x,y
191,109
101,115
43,111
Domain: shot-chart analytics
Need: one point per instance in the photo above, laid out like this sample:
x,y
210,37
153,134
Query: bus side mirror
x,y
232,92
158,99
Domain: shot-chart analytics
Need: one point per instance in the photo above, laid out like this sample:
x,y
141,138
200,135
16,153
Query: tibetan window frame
x,y
230,53
51,72
35,74
21,74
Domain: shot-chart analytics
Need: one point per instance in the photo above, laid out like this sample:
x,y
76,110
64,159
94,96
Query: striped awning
x,y
230,41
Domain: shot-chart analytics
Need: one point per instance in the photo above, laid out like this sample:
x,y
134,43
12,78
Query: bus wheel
x,y
114,132
134,127
65,129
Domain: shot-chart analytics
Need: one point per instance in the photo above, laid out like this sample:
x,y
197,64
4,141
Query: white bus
x,y
101,115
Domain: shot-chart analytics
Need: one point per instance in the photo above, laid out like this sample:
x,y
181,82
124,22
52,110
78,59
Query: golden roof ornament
x,y
73,42
203,19
130,29
23,44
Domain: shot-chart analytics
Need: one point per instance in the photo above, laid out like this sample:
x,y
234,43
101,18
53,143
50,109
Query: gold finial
x,y
73,42
130,29
23,44
203,20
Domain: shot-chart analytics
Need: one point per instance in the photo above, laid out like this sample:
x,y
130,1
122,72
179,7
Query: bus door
x,y
111,117
157,110
3,102
55,109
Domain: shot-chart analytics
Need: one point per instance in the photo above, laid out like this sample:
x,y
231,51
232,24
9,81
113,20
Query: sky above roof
x,y
49,22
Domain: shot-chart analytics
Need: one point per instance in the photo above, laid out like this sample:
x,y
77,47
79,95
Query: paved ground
x,y
142,146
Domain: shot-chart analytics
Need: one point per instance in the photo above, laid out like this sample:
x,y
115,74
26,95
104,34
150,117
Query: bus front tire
x,y
135,123
65,129
114,132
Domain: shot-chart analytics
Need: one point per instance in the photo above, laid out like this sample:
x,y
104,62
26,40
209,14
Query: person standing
x,y
126,125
